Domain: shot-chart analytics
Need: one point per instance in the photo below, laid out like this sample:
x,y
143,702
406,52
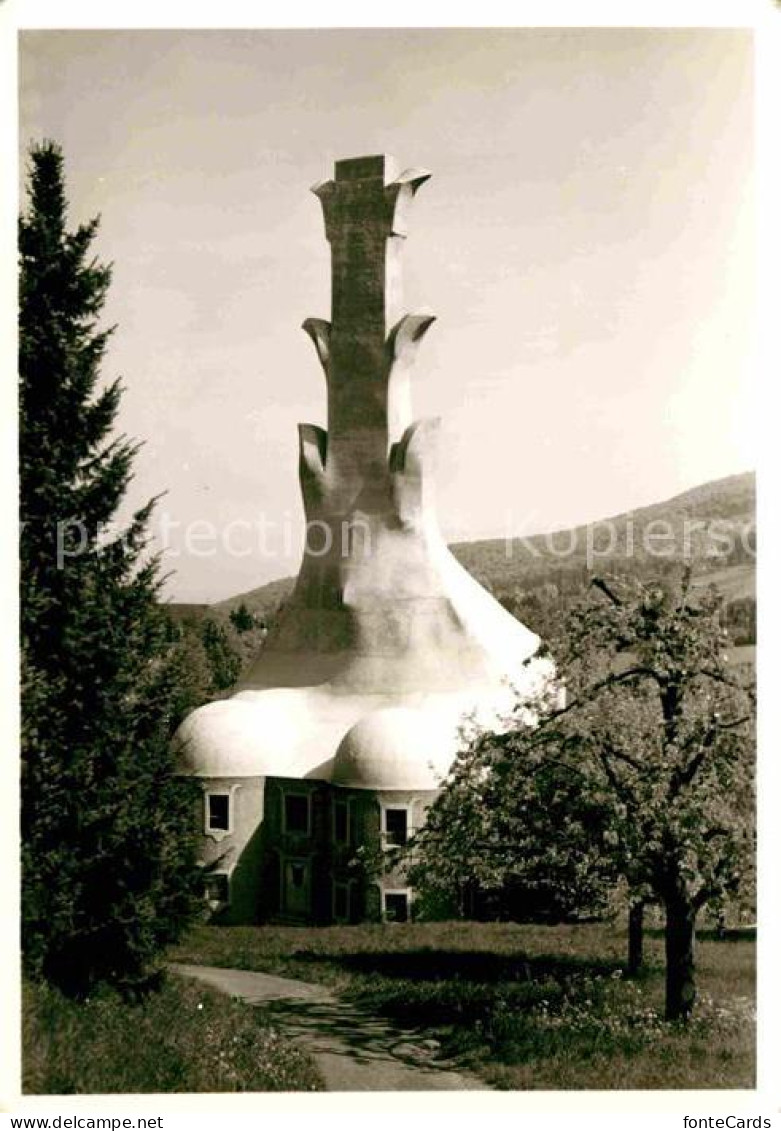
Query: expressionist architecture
x,y
341,732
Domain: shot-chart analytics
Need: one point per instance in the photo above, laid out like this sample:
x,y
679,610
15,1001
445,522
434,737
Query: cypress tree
x,y
108,864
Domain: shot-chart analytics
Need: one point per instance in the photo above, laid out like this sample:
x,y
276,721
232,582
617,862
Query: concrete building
x,y
342,731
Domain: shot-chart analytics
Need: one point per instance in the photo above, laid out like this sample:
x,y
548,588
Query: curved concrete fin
x,y
322,188
399,195
324,191
320,332
417,448
395,457
312,454
407,332
412,465
414,178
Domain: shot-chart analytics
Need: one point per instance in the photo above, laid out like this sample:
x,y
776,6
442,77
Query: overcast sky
x,y
586,242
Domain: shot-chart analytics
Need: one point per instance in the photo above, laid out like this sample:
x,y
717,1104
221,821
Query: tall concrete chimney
x,y
382,615
380,606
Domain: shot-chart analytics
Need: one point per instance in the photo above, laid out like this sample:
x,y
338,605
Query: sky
x,y
586,242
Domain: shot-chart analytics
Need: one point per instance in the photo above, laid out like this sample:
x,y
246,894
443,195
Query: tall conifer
x,y
107,852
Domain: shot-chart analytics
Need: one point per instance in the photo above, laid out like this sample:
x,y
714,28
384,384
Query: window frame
x,y
292,860
348,821
228,791
307,797
407,893
387,843
214,901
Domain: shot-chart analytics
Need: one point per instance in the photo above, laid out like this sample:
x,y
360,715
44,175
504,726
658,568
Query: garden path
x,y
355,1051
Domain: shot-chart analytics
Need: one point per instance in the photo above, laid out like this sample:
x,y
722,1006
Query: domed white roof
x,y
223,740
396,748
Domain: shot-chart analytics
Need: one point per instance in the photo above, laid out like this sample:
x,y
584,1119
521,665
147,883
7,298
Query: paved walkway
x,y
354,1050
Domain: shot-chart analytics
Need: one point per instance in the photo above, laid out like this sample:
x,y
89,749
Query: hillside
x,y
543,564
261,602
182,613
712,526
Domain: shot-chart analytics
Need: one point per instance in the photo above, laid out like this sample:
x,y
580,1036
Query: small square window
x,y
218,816
296,813
341,822
396,907
396,826
216,887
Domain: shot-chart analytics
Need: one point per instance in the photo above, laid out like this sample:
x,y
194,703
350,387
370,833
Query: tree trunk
x,y
679,953
635,941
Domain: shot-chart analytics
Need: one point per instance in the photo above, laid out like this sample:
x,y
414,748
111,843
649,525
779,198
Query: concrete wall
x,y
263,858
286,849
368,887
416,803
238,852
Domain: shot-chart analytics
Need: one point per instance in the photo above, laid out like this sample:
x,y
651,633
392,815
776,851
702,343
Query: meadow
x,y
525,1006
184,1038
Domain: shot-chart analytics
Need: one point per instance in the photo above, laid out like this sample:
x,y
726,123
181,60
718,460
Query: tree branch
x,y
734,723
598,583
615,784
719,678
620,755
686,776
609,681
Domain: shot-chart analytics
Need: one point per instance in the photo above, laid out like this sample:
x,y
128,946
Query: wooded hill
x,y
725,507
712,526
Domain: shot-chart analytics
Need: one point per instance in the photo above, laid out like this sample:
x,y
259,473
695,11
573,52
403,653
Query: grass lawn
x,y
183,1039
525,1006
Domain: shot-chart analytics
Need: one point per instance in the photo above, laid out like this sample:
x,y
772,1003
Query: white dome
x,y
223,740
396,748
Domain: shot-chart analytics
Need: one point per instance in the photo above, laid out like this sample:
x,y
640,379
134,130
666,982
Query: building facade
x,y
306,850
339,736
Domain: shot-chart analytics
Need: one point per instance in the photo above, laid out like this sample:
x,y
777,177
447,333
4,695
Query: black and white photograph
x,y
387,544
